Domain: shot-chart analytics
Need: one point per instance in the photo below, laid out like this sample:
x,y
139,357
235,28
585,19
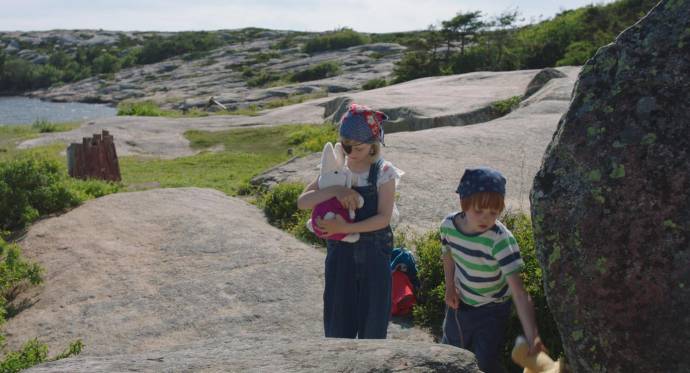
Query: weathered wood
x,y
95,157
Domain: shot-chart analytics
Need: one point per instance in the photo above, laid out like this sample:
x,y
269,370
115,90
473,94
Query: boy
x,y
481,263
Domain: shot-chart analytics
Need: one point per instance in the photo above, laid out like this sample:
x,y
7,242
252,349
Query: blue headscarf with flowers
x,y
362,124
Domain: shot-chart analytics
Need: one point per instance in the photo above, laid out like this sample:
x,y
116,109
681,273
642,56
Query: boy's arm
x,y
525,310
452,296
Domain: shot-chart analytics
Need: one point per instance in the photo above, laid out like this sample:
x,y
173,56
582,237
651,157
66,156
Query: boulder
x,y
434,159
611,203
190,279
261,353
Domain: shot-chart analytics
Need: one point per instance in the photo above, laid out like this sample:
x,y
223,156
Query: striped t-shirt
x,y
482,261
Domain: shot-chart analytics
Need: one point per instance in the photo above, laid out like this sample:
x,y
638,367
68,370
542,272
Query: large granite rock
x,y
434,159
190,279
611,204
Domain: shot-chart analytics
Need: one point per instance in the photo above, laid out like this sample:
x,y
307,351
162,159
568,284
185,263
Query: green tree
x,y
463,27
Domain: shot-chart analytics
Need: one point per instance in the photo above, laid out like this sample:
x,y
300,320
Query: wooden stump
x,y
94,158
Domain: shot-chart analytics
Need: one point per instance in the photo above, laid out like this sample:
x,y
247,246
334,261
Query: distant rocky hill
x,y
242,72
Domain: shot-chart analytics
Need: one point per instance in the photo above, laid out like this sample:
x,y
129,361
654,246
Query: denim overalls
x,y
357,296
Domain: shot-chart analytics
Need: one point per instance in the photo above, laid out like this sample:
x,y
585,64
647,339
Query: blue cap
x,y
482,179
362,124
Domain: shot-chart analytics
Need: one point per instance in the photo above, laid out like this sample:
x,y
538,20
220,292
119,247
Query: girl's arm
x,y
312,195
381,220
525,310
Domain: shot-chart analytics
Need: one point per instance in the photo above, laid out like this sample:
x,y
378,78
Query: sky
x,y
376,16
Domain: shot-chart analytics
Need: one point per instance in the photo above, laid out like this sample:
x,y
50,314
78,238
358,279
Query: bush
x,y
30,188
43,126
430,308
320,71
280,205
374,83
91,188
335,40
503,107
15,272
141,108
261,79
106,63
33,353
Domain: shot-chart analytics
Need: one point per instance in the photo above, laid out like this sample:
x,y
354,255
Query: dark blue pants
x,y
483,332
357,296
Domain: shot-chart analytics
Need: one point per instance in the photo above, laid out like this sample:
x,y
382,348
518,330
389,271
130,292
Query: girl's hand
x,y
332,226
452,298
348,197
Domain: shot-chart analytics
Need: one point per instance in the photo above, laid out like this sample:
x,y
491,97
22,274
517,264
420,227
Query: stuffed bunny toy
x,y
539,363
333,172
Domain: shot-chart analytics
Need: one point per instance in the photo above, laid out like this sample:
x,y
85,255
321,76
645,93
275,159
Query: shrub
x,y
503,107
106,63
43,126
15,272
34,352
337,39
91,188
320,71
141,108
30,188
430,309
374,83
280,205
262,78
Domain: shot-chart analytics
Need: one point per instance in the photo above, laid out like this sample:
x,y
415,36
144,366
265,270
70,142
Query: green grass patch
x,y
246,153
12,135
143,108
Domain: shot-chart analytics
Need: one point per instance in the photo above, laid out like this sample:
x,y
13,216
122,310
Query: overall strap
x,y
374,172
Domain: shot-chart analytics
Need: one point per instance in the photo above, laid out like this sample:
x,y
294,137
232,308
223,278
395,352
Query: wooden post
x,y
94,158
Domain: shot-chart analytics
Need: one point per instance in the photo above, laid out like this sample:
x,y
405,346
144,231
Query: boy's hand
x,y
536,346
452,298
331,226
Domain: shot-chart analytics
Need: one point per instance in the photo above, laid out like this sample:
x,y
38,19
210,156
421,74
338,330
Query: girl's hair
x,y
375,148
483,200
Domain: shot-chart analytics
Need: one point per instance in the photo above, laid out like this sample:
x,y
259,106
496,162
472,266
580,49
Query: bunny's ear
x,y
328,159
339,154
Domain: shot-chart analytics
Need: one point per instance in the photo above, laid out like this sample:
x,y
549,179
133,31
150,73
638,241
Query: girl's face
x,y
479,220
357,151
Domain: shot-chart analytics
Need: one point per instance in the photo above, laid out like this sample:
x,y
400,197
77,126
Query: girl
x,y
357,294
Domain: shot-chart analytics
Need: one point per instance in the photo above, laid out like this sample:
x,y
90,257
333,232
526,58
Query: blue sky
x,y
298,15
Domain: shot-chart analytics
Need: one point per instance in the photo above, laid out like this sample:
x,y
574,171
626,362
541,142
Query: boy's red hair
x,y
484,200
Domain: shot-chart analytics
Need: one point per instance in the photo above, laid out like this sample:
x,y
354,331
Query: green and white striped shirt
x,y
482,261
